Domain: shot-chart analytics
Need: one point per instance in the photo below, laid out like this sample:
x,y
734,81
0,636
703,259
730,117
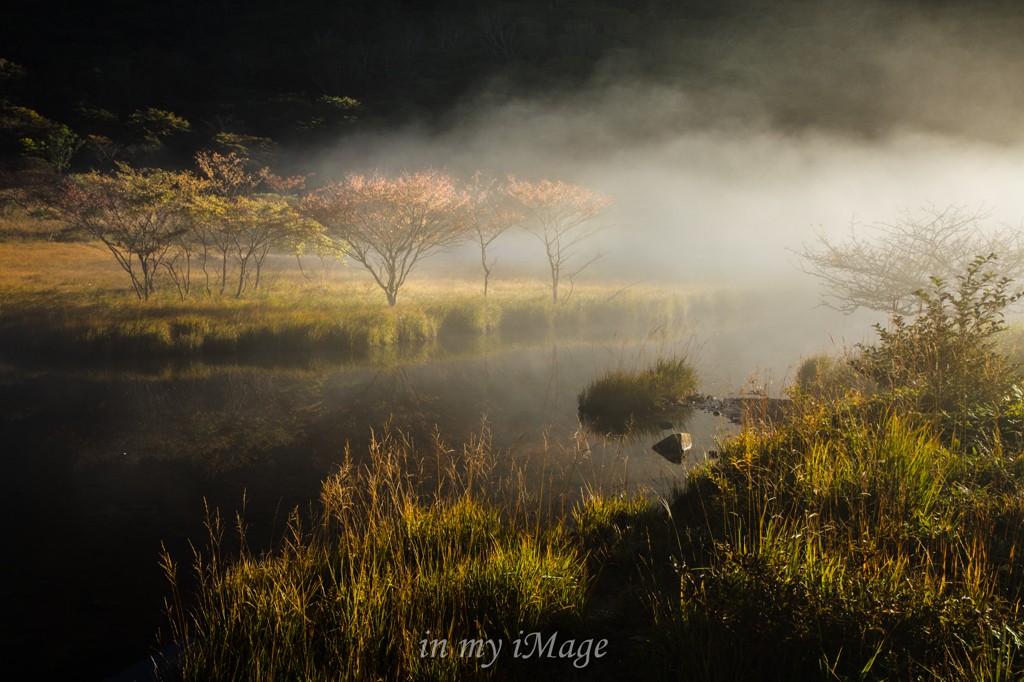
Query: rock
x,y
673,447
665,424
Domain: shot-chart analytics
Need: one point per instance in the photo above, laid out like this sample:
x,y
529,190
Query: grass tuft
x,y
621,393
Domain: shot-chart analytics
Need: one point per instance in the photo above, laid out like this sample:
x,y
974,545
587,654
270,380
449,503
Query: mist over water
x,y
726,143
724,208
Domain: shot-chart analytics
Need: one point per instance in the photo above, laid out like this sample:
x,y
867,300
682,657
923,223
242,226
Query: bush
x,y
824,376
946,360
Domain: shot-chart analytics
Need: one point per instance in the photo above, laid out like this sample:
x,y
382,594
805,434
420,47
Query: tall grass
x,y
68,298
624,393
841,544
383,567
841,548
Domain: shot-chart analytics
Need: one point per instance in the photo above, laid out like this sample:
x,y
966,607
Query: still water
x,y
105,463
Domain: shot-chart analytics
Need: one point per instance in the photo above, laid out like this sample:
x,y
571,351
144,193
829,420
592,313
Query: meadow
x,y
72,299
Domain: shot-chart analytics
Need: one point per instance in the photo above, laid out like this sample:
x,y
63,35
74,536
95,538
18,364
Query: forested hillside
x,y
83,85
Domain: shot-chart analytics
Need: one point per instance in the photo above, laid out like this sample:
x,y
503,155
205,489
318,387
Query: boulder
x,y
673,447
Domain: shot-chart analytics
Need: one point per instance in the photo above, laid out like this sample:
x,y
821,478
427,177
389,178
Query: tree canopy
x,y
389,226
560,215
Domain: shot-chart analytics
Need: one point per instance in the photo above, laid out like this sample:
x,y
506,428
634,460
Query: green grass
x,y
827,376
622,393
72,299
834,544
846,543
381,569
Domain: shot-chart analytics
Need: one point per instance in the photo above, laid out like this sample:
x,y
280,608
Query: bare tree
x,y
330,75
880,267
449,34
560,216
580,38
501,38
390,225
243,64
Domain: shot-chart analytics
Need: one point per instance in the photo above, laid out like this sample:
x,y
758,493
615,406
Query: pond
x,y
107,462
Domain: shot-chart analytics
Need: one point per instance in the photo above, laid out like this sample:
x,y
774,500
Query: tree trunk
x,y
392,298
223,271
241,279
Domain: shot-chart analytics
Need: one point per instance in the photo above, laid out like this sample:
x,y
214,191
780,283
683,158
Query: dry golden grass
x,y
74,298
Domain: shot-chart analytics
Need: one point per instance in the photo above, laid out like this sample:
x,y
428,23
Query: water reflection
x,y
105,461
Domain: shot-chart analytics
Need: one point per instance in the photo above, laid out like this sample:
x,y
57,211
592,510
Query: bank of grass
x,y
623,393
861,538
72,299
383,567
848,543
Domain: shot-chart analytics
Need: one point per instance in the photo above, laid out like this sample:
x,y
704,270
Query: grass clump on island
x,y
623,393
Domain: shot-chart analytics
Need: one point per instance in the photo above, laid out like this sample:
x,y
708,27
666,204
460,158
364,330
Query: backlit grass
x,y
624,393
72,299
835,546
382,569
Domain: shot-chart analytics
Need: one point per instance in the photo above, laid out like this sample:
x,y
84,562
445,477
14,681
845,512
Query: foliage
x,y
11,74
332,112
136,214
559,216
240,225
885,273
249,146
153,126
825,376
946,359
388,226
490,217
56,148
17,123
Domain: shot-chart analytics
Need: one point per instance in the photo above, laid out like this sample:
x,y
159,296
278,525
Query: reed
x,y
388,561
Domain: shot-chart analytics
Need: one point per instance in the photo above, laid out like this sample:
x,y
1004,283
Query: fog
x,y
809,119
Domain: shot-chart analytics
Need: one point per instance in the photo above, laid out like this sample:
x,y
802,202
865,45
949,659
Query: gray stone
x,y
673,447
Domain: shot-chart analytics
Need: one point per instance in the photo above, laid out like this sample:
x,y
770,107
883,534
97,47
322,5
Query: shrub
x,y
824,376
946,359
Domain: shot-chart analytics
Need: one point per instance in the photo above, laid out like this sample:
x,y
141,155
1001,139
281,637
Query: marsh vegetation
x,y
623,396
344,291
867,536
